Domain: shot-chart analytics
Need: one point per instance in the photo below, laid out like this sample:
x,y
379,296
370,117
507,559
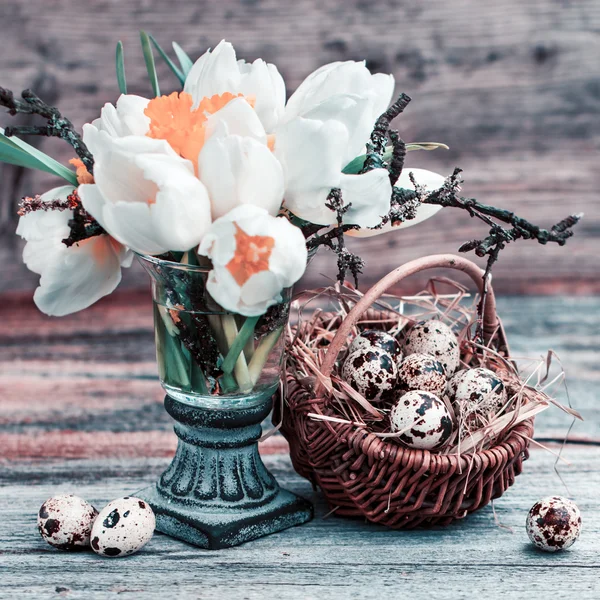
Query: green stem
x,y
240,368
246,333
261,354
176,363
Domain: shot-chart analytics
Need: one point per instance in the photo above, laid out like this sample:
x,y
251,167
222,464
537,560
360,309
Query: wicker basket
x,y
363,475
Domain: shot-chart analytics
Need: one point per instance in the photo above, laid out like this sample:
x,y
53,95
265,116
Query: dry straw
x,y
342,442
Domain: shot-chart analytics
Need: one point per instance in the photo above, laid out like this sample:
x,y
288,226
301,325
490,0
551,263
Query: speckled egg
x,y
422,372
437,339
554,523
425,418
123,527
371,372
454,381
482,390
380,339
65,521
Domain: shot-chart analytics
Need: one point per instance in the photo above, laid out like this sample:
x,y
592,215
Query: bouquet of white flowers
x,y
224,189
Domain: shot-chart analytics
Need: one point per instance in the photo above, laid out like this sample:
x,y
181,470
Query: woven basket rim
x,y
514,442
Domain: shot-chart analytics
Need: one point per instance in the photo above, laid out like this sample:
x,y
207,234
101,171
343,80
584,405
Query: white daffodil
x,y
72,278
145,195
430,181
218,72
327,123
254,256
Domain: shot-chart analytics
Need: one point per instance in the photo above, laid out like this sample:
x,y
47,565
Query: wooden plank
x,y
511,86
327,558
95,373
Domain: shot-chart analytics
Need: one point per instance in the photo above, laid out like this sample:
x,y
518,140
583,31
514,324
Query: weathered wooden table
x,y
81,412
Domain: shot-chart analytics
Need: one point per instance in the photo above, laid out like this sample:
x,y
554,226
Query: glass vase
x,y
207,355
220,371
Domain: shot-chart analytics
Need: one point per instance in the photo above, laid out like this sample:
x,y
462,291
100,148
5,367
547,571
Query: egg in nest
x,y
554,523
371,372
454,381
480,394
436,339
424,420
422,372
378,339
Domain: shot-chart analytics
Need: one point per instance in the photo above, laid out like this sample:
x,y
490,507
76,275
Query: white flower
x,y
338,79
430,181
312,153
218,72
127,118
327,122
239,170
254,256
145,195
72,278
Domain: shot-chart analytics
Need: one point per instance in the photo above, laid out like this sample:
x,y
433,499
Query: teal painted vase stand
x,y
217,492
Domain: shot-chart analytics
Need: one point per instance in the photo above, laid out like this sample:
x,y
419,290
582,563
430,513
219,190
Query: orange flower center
x,y
251,255
81,172
173,119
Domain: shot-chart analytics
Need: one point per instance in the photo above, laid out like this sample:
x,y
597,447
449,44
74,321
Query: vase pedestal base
x,y
224,529
217,492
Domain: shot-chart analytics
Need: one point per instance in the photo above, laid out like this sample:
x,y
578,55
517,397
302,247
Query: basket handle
x,y
435,261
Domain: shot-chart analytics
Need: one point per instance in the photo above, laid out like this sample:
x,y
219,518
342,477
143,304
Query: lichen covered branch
x,y
56,125
83,226
334,239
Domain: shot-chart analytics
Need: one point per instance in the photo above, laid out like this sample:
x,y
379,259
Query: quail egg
x,y
481,389
454,381
554,523
123,527
424,419
422,372
371,372
380,339
437,339
65,521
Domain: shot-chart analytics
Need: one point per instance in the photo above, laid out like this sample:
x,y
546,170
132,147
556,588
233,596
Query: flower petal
x,y
72,278
263,83
239,170
239,118
340,78
355,113
430,180
127,118
312,155
369,196
218,71
215,72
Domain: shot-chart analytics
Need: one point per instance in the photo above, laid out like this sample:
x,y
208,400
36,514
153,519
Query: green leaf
x,y
149,59
121,69
17,152
184,60
176,70
356,164
426,146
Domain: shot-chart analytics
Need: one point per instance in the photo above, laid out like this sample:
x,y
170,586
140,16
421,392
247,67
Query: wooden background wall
x,y
513,86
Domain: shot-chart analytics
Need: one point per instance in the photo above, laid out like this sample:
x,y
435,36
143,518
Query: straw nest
x,y
343,443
